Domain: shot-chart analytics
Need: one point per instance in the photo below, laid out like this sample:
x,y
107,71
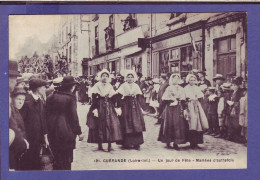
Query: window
x,y
134,63
70,27
67,55
163,63
178,60
128,63
113,66
66,31
117,66
110,34
226,56
111,21
96,41
70,54
96,32
174,15
62,36
95,17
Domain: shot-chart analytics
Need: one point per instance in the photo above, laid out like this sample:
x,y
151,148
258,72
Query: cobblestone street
x,y
154,154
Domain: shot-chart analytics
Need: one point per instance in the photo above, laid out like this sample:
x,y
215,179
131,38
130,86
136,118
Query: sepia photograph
x,y
133,91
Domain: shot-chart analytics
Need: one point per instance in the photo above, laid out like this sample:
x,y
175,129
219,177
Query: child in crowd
x,y
212,112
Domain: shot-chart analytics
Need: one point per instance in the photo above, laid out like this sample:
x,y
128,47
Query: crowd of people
x,y
44,113
43,65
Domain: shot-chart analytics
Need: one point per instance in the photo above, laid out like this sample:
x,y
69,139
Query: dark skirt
x,y
107,126
173,126
195,137
133,139
132,120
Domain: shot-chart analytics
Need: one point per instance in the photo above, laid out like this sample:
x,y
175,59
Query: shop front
x,y
178,52
96,65
113,62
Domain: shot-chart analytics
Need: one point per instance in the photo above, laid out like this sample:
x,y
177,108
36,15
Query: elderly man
x,y
33,113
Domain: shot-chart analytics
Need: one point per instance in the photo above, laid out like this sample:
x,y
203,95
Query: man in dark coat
x,y
63,123
33,113
83,91
234,129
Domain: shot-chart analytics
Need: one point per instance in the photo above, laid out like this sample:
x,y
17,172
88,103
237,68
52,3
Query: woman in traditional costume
x,y
102,118
173,125
195,114
132,121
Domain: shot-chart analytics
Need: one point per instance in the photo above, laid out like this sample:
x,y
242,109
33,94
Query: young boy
x,y
213,100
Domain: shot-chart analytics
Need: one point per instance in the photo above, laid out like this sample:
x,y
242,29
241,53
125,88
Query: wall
x,y
232,28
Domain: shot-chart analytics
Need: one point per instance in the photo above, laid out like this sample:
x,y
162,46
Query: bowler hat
x,y
35,83
18,90
68,80
13,68
218,77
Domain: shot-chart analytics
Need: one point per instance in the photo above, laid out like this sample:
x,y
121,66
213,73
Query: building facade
x,y
74,41
213,42
114,42
174,42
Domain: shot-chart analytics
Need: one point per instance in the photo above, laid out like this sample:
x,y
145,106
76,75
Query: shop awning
x,y
130,50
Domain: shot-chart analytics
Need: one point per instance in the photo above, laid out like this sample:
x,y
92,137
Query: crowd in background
x,y
187,106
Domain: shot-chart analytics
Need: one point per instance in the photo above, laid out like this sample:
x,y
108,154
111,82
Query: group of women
x,y
117,115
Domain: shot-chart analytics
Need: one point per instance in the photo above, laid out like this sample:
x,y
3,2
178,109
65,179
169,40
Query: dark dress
x,y
106,128
174,127
234,129
33,113
160,94
18,147
63,127
132,121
